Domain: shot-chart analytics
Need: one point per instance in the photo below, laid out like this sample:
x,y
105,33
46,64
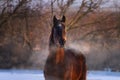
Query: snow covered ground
x,y
38,75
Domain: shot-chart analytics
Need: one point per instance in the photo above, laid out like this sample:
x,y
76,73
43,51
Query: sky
x,y
108,3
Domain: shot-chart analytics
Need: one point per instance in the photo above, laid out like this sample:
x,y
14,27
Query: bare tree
x,y
8,10
85,7
11,9
117,10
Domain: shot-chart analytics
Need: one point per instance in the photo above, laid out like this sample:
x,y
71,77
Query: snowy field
x,y
38,75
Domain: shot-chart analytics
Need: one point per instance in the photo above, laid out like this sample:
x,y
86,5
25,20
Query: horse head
x,y
58,35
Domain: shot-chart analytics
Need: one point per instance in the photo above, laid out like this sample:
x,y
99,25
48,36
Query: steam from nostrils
x,y
81,46
96,55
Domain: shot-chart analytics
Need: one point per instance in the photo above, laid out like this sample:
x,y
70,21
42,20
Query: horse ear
x,y
54,19
63,19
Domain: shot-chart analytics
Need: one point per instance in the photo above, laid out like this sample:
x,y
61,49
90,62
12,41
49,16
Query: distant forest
x,y
25,27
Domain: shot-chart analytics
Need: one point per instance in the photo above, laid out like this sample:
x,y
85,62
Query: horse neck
x,y
59,53
54,49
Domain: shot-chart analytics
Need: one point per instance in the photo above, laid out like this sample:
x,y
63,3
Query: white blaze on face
x,y
60,25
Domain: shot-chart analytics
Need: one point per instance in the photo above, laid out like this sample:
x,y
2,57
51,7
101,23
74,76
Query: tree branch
x,y
85,8
4,20
98,30
96,21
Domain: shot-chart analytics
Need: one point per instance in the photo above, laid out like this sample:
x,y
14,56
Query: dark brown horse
x,y
63,64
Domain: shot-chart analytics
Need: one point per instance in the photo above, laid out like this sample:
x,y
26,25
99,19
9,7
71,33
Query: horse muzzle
x,y
62,42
